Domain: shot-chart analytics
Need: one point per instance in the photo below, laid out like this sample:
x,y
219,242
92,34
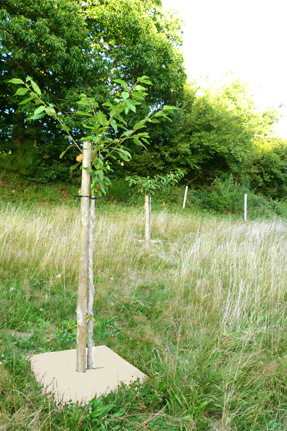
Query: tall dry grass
x,y
206,309
229,269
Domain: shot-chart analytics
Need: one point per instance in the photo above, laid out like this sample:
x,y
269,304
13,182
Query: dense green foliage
x,y
217,132
49,41
267,171
74,47
68,48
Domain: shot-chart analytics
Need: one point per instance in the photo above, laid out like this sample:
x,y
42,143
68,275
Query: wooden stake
x,y
84,260
245,207
185,195
91,285
147,222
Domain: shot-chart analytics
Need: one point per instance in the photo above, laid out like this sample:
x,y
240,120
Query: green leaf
x,y
87,138
16,81
140,124
120,118
64,152
125,158
83,102
125,95
39,110
141,135
139,88
25,101
138,142
145,80
50,111
162,114
36,117
100,174
169,108
72,168
113,111
102,118
100,163
127,133
89,170
82,113
36,88
130,105
139,96
21,92
114,126
125,155
120,81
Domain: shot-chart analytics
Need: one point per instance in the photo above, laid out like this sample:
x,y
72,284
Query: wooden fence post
x,y
84,262
245,207
91,285
147,221
185,195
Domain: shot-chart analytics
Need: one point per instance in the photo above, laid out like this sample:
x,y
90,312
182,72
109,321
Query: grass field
x,y
203,314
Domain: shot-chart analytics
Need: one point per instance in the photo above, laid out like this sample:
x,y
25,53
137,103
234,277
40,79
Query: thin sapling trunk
x,y
84,262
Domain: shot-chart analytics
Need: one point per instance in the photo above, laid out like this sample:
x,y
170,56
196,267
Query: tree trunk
x,y
84,262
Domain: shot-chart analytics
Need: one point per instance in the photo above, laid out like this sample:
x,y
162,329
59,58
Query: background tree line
x,y
70,47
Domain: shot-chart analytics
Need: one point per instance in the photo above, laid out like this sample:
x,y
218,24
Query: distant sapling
x,y
149,186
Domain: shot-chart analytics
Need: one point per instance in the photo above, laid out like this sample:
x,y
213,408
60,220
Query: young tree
x,y
108,133
149,186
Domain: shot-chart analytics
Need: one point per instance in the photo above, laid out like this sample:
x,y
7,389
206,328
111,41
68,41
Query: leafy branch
x,y
149,186
108,130
34,93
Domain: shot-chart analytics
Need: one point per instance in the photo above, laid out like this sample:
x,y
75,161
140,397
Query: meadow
x,y
203,315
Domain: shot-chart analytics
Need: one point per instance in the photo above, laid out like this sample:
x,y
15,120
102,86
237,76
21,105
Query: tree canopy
x,y
215,132
69,47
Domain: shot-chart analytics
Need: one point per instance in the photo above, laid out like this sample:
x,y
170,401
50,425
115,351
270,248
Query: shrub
x,y
227,196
